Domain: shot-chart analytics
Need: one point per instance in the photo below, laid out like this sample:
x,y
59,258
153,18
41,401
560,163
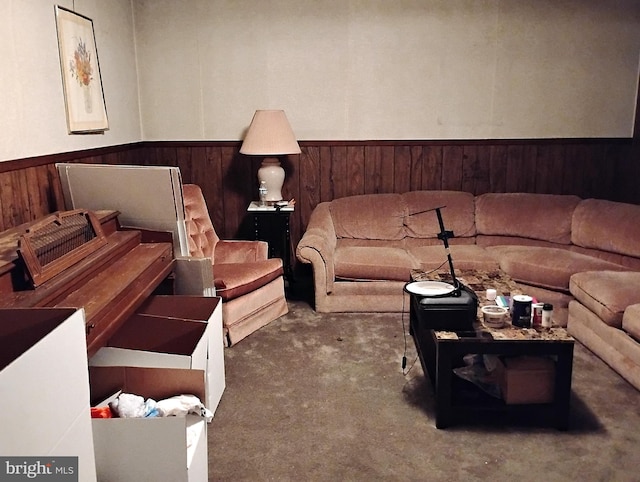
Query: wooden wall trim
x,y
70,156
413,142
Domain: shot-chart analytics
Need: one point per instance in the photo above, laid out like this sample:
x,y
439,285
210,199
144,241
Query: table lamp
x,y
270,135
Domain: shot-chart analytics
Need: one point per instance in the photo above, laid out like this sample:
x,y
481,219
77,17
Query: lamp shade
x,y
269,135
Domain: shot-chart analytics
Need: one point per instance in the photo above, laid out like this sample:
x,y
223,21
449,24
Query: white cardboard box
x,y
151,341
172,332
44,386
149,449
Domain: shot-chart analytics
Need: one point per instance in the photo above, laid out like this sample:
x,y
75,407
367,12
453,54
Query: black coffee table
x,y
441,351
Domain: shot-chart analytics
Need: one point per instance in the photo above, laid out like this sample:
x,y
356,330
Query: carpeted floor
x,y
322,397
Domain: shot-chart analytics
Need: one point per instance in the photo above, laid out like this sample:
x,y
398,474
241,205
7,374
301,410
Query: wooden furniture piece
x,y
110,282
250,284
457,399
271,224
58,242
442,351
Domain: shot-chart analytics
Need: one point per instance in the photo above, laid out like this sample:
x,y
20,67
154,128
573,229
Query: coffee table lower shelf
x,y
457,399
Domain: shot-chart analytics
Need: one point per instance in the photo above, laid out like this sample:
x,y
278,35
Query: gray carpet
x,y
323,397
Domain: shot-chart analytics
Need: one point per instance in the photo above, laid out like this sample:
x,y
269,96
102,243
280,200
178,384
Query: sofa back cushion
x,y
537,216
457,213
369,216
608,226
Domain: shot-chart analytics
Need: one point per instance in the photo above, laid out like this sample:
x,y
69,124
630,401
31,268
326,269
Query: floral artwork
x,y
80,65
81,81
81,70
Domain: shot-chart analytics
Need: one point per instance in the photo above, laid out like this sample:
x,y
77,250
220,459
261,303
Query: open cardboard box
x,y
151,341
160,448
197,308
172,332
44,386
526,379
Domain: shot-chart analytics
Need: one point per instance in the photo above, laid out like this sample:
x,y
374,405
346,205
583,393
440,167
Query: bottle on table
x,y
262,193
547,315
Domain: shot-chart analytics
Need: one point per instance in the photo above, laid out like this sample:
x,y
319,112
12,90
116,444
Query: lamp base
x,y
272,173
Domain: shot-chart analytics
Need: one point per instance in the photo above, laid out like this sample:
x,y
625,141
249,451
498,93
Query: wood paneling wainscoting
x,y
325,170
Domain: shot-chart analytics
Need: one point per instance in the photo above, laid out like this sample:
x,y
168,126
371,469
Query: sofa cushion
x,y
631,321
369,216
465,256
621,259
457,213
546,267
607,293
373,263
491,240
607,225
537,216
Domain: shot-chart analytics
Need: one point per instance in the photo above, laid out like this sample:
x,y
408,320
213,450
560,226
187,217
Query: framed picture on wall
x,y
82,84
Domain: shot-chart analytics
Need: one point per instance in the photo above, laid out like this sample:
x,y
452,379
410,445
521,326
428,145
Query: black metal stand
x,y
444,235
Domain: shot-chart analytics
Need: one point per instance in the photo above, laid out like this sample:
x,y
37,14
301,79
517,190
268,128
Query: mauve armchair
x,y
250,284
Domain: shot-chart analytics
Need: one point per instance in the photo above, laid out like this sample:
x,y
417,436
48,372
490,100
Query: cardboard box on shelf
x,y
526,379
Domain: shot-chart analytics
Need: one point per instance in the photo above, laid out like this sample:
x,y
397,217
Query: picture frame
x,y
85,105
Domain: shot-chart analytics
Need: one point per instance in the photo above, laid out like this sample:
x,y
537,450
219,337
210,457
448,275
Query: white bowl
x,y
494,315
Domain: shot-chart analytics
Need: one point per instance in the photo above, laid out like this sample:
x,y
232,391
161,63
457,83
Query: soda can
x,y
521,316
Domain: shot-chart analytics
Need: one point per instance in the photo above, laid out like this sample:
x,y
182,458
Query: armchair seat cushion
x,y
233,280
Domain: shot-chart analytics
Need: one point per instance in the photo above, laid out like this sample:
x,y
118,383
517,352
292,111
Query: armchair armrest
x,y
229,251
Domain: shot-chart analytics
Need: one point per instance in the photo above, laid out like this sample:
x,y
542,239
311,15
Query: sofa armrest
x,y
194,276
317,247
229,251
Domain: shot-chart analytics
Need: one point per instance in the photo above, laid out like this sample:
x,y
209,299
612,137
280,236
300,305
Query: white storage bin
x,y
44,386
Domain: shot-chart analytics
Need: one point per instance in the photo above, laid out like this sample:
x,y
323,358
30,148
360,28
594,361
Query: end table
x,y
271,224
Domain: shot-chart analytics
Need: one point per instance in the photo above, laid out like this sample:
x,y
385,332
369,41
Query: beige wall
x,y
32,113
377,69
342,69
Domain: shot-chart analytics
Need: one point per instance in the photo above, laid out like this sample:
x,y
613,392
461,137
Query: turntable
x,y
442,306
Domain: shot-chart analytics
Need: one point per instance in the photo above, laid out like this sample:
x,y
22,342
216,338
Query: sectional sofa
x,y
582,255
